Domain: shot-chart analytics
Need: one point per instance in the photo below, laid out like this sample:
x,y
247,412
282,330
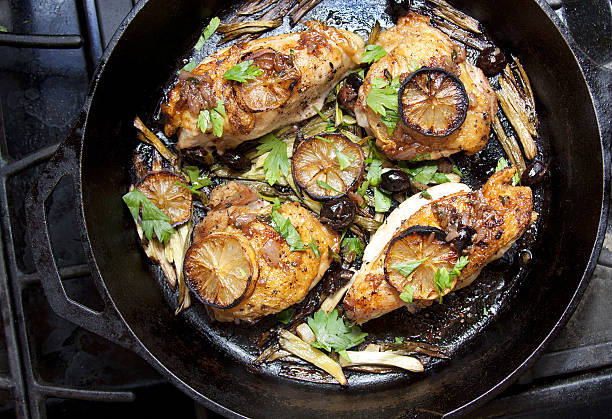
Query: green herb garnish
x,y
243,71
203,120
343,159
382,99
152,219
440,178
373,53
333,333
406,268
285,316
313,246
424,156
382,202
425,195
276,164
217,117
407,295
501,165
375,161
207,32
444,279
287,231
189,66
326,186
399,340
352,245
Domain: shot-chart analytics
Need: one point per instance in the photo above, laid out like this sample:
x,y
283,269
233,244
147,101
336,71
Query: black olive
x,y
347,96
354,80
464,239
336,277
395,181
339,213
197,156
534,173
491,60
235,161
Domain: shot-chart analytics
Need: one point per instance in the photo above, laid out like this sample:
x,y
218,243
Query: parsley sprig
x,y
198,180
382,99
243,71
382,201
215,116
406,268
276,164
352,245
443,279
375,164
288,232
333,333
424,173
325,185
151,219
285,316
207,32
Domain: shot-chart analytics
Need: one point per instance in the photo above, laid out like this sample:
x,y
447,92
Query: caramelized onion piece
x,y
273,88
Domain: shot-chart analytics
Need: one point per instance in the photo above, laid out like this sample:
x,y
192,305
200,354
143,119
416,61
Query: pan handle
x,y
65,162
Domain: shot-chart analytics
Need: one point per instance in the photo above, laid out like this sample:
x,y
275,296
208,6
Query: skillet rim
x,y
139,347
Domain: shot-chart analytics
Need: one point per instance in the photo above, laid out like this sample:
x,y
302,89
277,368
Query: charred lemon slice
x,y
221,270
273,87
414,257
433,102
327,165
162,189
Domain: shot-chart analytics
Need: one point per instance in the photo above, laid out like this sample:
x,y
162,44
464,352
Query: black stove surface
x,y
52,368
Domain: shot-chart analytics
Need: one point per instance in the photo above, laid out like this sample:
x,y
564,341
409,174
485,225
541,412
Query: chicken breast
x,y
299,70
498,214
284,276
411,44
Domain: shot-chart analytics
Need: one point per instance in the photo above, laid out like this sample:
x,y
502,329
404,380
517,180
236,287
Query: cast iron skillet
x,y
138,62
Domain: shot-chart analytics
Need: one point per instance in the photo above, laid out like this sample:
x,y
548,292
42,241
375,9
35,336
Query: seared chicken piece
x,y
413,44
498,215
284,276
299,70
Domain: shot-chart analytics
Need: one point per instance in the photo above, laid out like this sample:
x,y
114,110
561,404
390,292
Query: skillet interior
x,y
131,83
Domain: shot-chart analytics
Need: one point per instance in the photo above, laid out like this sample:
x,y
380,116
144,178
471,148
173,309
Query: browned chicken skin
x,y
299,70
411,44
499,213
284,276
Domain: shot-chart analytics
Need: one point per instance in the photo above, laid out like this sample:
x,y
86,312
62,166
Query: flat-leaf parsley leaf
x,y
333,333
243,71
151,219
277,162
382,202
217,117
287,231
406,268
